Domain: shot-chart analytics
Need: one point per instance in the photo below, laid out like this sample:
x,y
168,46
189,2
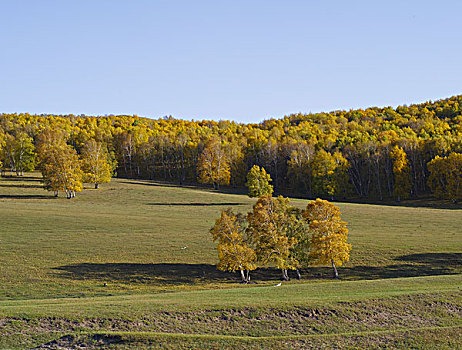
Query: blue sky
x,y
239,60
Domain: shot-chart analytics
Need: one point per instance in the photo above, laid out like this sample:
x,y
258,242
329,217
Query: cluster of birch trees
x,y
278,234
63,169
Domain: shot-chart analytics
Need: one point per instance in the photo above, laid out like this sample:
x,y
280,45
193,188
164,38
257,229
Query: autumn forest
x,y
371,154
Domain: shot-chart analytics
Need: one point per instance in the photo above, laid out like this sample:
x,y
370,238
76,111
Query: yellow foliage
x,y
213,165
401,170
268,231
329,233
60,166
445,178
233,253
329,172
95,166
305,153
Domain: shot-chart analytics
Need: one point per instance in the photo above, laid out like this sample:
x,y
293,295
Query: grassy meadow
x,y
132,264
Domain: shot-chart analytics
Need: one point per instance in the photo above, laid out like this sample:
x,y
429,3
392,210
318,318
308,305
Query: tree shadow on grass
x,y
413,265
21,186
21,181
428,264
166,273
434,259
159,274
21,178
26,196
196,204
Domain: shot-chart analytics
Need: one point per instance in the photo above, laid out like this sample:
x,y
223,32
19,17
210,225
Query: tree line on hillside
x,y
371,154
278,234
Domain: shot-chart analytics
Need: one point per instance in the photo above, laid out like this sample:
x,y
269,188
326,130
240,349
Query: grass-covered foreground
x,y
132,265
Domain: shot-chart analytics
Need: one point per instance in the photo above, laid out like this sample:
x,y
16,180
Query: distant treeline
x,y
373,154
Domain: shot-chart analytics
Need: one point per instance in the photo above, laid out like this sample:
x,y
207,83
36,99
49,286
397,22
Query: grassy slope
x,y
412,312
130,234
294,295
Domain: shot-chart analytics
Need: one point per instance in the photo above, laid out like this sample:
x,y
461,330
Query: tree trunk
x,y
335,269
248,276
299,276
243,279
285,276
379,184
96,186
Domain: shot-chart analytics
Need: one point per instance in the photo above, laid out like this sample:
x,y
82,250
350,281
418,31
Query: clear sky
x,y
225,59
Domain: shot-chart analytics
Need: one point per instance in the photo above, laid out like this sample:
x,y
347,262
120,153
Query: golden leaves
x,y
233,253
401,170
213,165
446,176
329,233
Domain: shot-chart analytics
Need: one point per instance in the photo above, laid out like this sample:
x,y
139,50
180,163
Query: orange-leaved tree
x,y
233,252
329,234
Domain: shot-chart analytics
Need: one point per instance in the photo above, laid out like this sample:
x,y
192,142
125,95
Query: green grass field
x,y
132,265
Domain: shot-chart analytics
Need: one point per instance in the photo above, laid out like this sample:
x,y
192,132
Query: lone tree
x,y
213,166
95,166
268,228
233,252
329,234
258,182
